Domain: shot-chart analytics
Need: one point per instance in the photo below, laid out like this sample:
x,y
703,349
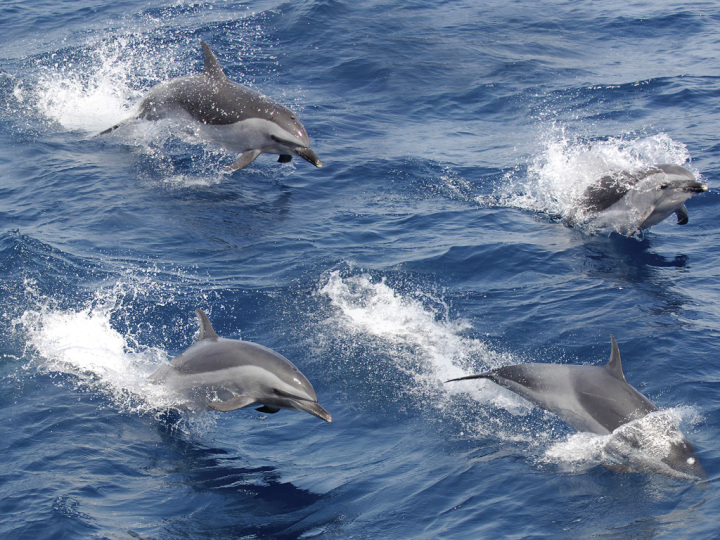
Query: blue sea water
x,y
432,244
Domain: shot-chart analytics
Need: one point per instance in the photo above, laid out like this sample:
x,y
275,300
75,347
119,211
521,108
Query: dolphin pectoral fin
x,y
682,215
108,130
284,158
238,402
245,159
642,221
267,409
617,468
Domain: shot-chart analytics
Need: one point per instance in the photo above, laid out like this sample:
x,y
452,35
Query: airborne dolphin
x,y
597,399
630,203
228,374
236,117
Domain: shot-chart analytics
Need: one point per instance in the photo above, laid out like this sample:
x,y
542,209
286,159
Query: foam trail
x,y
425,344
84,344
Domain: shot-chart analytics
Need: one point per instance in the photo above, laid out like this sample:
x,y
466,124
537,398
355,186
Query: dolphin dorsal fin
x,y
212,66
206,329
614,365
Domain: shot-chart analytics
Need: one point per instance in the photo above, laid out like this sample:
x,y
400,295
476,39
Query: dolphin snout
x,y
697,187
309,155
315,409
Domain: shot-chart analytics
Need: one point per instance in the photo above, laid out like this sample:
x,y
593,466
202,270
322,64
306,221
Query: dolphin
x,y
631,202
227,374
596,399
236,117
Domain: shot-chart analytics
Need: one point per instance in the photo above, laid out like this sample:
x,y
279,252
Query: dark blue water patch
x,y
187,475
686,92
673,24
27,261
632,100
247,495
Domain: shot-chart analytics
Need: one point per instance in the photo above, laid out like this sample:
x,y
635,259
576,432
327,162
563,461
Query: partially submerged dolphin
x,y
597,399
228,374
236,117
630,203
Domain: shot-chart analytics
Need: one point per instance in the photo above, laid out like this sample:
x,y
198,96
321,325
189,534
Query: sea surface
x,y
434,243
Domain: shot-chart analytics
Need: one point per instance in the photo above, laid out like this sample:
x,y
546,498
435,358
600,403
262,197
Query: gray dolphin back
x,y
597,399
211,98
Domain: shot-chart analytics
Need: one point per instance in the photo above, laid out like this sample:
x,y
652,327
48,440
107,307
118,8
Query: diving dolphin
x,y
236,117
228,374
632,202
597,399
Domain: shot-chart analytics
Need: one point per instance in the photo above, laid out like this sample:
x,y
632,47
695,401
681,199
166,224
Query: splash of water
x,y
555,181
424,342
638,446
96,89
86,344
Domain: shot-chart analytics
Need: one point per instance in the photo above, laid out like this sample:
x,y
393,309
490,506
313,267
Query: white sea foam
x,y
423,340
555,180
85,343
374,308
97,89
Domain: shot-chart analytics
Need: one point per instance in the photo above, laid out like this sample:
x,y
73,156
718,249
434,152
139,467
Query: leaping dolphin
x,y
597,399
228,374
630,203
236,117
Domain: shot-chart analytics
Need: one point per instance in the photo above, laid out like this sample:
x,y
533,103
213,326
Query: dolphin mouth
x,y
313,408
309,155
696,187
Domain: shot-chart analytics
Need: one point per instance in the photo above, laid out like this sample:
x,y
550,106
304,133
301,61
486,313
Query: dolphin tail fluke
x,y
245,159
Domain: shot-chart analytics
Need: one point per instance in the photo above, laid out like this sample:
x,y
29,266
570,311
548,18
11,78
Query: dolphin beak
x,y
313,408
697,187
309,155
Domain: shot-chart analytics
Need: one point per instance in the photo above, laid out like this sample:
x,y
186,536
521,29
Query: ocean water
x,y
434,243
